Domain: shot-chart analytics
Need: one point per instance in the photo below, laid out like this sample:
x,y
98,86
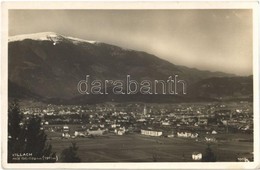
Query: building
x,y
203,121
79,134
66,128
145,110
243,159
187,134
120,131
151,132
170,136
65,135
210,139
214,132
197,156
95,132
165,123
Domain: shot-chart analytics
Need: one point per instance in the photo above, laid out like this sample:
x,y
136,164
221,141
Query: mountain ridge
x,y
51,65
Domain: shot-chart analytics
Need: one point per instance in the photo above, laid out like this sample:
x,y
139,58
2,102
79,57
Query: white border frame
x,y
254,5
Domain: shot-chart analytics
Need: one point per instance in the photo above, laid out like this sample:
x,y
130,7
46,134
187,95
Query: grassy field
x,y
139,148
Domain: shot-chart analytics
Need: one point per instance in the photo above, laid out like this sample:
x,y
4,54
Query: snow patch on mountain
x,y
77,40
48,36
38,36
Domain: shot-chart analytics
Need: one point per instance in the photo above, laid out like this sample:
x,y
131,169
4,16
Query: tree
x,y
26,137
16,137
70,154
208,155
36,140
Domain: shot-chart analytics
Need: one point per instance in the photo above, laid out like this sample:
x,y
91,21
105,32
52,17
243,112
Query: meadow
x,y
139,148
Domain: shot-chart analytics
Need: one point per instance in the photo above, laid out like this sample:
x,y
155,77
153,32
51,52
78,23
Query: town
x,y
205,123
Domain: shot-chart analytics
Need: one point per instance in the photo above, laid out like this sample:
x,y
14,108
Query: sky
x,y
215,40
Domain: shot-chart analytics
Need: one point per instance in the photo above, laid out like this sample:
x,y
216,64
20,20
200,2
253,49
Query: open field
x,y
138,148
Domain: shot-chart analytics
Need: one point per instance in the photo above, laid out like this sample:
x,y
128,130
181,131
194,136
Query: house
x,y
214,132
196,156
49,113
97,132
141,120
243,159
66,128
120,131
166,123
79,134
210,139
203,121
170,136
65,135
224,122
115,125
194,135
187,134
151,132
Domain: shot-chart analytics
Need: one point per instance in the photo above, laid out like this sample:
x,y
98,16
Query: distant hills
x,y
224,88
48,66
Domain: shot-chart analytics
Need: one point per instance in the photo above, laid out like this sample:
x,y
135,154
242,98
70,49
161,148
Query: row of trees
x,y
27,136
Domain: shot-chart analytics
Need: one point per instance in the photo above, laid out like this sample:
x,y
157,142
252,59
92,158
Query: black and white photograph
x,y
111,85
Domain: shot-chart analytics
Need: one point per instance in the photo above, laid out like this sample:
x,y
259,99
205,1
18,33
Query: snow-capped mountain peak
x,y
38,36
48,36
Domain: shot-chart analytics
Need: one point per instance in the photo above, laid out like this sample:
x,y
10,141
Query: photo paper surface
x,y
130,85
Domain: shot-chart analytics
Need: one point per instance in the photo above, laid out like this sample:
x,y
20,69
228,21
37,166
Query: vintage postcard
x,y
130,85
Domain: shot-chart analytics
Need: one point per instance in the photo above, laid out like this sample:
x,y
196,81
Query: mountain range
x,y
48,66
